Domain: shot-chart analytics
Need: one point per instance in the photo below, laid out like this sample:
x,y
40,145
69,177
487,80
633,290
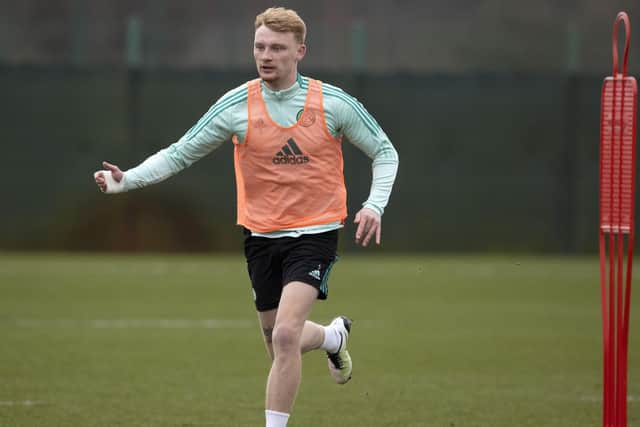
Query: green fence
x,y
488,162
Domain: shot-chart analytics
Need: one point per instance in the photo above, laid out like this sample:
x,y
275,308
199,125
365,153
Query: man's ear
x,y
302,50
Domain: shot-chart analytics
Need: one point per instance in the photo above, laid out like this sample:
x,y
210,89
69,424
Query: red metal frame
x,y
617,201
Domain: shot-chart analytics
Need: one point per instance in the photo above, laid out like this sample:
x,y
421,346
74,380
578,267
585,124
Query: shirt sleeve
x,y
214,128
349,118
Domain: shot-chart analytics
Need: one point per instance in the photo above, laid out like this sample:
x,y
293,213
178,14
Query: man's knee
x,y
285,339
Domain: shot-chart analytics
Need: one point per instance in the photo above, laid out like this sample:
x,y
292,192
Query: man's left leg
x,y
312,338
284,379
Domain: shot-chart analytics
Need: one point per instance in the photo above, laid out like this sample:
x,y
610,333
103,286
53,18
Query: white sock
x,y
276,419
331,341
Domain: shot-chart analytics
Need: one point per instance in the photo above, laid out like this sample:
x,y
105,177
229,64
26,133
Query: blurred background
x,y
493,107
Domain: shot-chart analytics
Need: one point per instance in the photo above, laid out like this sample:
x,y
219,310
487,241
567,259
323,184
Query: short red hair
x,y
283,20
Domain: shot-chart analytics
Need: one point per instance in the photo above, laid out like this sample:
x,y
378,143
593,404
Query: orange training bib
x,y
288,177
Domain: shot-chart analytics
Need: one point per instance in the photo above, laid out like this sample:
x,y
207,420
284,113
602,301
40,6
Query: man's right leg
x,y
284,376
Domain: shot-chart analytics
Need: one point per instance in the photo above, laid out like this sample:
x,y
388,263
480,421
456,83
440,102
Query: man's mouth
x,y
267,68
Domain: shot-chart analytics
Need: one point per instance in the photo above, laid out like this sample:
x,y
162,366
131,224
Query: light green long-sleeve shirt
x,y
345,116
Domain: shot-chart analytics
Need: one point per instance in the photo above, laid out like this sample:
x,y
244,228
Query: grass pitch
x,y
174,341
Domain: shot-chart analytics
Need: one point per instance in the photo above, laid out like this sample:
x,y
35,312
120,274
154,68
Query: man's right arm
x,y
215,127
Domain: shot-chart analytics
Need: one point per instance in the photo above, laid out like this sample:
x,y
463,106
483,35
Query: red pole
x,y
617,200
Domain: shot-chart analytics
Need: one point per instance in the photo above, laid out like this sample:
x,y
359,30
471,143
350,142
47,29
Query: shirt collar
x,y
283,94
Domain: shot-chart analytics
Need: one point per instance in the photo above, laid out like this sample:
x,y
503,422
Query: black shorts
x,y
272,263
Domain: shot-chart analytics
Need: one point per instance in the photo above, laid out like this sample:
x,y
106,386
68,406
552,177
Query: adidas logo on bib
x,y
290,155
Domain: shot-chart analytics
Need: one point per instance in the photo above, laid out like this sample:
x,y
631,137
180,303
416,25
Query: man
x,y
286,130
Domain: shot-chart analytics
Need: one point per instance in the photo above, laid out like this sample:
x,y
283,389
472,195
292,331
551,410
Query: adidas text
x,y
290,160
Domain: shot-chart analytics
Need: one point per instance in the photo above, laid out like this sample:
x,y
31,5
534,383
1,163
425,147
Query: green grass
x,y
437,341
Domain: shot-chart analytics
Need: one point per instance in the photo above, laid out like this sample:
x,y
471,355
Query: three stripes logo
x,y
290,155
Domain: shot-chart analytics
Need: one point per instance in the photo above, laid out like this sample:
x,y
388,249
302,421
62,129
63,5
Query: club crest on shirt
x,y
306,117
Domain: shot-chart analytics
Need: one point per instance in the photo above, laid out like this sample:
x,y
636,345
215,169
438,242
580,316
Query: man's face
x,y
277,56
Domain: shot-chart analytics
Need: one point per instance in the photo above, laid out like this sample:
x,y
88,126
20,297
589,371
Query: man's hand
x,y
110,179
369,223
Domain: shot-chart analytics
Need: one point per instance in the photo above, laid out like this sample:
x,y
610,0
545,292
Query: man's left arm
x,y
354,122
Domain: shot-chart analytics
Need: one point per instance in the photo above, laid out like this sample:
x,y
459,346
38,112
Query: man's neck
x,y
282,83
